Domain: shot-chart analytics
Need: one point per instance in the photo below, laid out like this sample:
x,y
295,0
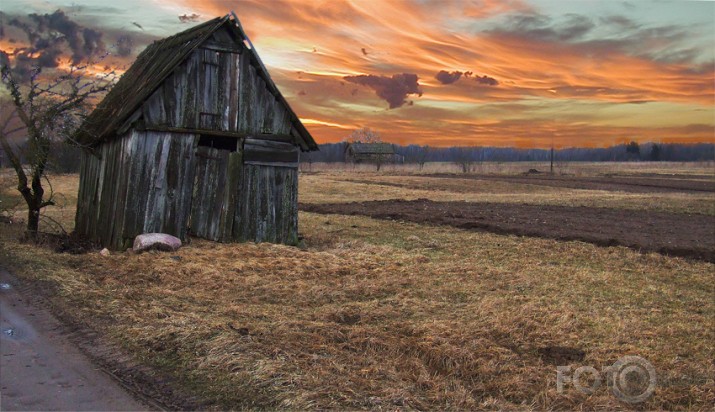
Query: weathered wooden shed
x,y
371,153
195,138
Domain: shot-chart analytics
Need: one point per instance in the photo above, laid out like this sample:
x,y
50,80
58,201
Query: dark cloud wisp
x,y
51,36
393,89
446,77
124,45
486,80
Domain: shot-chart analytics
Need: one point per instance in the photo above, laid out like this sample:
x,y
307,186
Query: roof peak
x,y
156,63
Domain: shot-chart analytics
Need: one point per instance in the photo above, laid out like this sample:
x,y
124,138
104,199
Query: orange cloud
x,y
532,78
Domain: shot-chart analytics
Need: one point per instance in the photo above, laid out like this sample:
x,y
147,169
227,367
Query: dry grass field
x,y
389,314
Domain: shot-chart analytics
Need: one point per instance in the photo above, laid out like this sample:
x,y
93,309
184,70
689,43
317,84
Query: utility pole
x,y
552,158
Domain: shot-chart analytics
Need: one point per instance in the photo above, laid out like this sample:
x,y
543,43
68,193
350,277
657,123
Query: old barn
x,y
358,152
195,138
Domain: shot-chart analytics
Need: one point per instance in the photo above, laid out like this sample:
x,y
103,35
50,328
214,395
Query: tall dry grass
x,y
388,315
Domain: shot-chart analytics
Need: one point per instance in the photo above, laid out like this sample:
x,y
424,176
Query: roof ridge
x,y
151,68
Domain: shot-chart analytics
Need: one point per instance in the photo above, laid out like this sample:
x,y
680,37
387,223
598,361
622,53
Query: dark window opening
x,y
219,142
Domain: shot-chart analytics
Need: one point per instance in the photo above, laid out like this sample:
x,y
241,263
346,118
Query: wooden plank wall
x,y
102,192
217,88
267,207
237,201
140,183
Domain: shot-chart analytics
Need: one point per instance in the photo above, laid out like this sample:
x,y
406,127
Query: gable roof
x,y
153,66
371,148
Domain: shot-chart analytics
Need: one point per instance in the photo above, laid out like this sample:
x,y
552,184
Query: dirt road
x,y
40,369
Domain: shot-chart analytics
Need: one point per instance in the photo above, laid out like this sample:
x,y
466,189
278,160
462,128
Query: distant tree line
x,y
674,152
65,158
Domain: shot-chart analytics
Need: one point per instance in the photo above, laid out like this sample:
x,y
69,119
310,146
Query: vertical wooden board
x,y
108,195
289,207
246,94
294,207
254,223
168,99
128,211
176,95
170,219
198,192
134,185
124,149
223,98
282,123
210,199
145,166
261,212
90,198
156,167
83,196
272,227
248,202
234,64
262,209
211,185
256,107
93,196
191,90
261,102
221,201
153,109
189,180
161,186
209,115
174,218
249,211
268,113
230,198
105,200
239,223
185,182
278,193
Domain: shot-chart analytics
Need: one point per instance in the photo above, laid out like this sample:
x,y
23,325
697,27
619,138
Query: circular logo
x,y
634,379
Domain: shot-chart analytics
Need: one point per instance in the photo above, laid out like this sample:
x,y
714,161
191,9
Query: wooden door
x,y
210,192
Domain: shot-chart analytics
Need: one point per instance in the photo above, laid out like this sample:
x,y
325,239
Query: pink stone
x,y
156,241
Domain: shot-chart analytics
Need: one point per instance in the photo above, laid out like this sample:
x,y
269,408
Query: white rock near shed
x,y
156,241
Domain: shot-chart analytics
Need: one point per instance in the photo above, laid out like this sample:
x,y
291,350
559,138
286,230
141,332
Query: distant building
x,y
377,153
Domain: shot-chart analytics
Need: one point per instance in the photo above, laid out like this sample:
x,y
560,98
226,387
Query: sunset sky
x,y
490,72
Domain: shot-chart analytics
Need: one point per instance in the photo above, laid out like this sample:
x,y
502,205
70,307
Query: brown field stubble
x,y
390,315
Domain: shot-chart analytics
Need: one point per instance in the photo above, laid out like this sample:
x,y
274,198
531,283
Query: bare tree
x,y
43,109
364,135
464,158
422,155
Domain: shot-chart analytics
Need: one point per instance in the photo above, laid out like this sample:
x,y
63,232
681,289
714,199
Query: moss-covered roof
x,y
149,71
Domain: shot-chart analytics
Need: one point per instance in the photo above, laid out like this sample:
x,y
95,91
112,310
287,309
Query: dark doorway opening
x,y
219,142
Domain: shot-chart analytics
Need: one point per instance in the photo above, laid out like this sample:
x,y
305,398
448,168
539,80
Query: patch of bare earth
x,y
631,184
691,236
